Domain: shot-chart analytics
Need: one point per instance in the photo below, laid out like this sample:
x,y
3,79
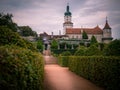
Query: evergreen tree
x,y
93,40
93,50
81,51
84,35
54,44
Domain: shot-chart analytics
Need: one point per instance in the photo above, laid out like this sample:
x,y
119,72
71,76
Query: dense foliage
x,y
54,44
81,51
113,48
21,66
40,45
84,35
93,64
93,50
8,37
20,69
27,31
6,20
93,40
66,53
103,71
63,61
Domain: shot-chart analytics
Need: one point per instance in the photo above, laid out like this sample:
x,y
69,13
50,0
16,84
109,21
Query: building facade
x,y
102,35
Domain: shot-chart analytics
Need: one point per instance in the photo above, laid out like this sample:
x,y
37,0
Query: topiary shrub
x,y
63,61
81,51
93,51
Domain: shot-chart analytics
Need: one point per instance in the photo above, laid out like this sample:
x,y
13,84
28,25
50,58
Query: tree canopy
x,y
26,31
84,35
113,48
8,37
6,20
93,40
54,44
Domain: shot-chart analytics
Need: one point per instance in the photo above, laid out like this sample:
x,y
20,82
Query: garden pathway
x,y
60,78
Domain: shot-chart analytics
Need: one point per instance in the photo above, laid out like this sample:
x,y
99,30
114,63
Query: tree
x,y
93,50
54,44
8,37
113,48
27,31
6,20
84,35
93,40
81,51
40,45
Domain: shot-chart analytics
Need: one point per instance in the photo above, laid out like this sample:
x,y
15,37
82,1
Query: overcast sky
x,y
48,15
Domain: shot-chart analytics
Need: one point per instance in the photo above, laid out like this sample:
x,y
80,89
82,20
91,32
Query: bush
x,y
54,44
81,51
113,48
93,51
63,61
66,53
103,71
20,69
60,51
40,45
8,37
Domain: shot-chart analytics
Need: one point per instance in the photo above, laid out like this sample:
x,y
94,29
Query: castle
x,y
73,35
102,35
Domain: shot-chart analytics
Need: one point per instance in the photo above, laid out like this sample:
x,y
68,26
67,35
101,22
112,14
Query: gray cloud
x,y
48,15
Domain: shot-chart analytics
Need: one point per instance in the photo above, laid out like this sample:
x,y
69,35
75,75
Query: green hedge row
x,y
59,51
63,61
20,69
103,71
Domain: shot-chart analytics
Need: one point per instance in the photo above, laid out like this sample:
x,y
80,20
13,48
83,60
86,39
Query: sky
x,y
48,15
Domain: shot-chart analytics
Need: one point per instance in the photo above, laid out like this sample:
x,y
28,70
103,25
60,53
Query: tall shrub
x,y
20,69
81,51
103,71
113,48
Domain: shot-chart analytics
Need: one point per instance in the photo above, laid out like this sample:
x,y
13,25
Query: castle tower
x,y
67,20
107,33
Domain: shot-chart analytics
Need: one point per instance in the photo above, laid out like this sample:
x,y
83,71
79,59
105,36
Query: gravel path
x,y
60,78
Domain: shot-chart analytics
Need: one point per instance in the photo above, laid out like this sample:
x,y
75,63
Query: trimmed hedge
x,y
20,69
63,60
103,71
59,51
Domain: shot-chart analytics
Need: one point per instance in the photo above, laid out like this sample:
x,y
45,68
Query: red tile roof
x,y
96,30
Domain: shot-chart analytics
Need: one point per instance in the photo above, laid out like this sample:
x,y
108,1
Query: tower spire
x,y
106,24
67,7
67,13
